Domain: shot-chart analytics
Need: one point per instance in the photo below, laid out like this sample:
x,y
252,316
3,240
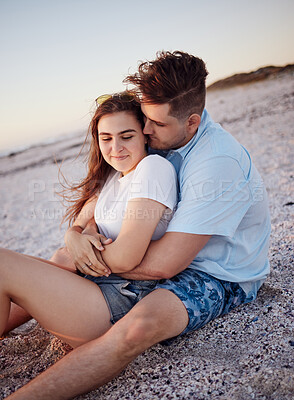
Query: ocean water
x,y
6,150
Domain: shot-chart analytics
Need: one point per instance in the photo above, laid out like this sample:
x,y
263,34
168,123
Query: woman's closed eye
x,y
127,137
108,138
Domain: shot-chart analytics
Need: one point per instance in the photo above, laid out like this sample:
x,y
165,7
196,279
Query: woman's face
x,y
121,141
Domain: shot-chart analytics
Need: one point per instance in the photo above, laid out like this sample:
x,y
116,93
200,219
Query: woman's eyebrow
x,y
126,131
119,133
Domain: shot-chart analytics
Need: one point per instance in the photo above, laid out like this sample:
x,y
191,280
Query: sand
x,y
248,354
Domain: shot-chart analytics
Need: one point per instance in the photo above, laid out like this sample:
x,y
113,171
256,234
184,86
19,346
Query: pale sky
x,y
57,56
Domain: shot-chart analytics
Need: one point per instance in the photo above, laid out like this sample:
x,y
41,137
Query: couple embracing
x,y
168,230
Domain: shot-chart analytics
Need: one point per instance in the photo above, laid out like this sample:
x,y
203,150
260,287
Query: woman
x,y
137,194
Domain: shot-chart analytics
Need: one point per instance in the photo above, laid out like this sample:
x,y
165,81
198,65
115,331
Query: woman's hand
x,y
82,248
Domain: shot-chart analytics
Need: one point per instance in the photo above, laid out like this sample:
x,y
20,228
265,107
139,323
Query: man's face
x,y
164,131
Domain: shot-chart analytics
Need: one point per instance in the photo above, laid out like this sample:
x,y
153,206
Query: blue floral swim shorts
x,y
204,296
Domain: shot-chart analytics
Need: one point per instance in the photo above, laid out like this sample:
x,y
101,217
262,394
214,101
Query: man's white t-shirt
x,y
154,178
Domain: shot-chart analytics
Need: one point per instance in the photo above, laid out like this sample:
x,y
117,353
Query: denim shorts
x,y
120,294
204,296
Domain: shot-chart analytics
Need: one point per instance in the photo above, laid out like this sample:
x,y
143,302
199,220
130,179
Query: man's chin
x,y
154,144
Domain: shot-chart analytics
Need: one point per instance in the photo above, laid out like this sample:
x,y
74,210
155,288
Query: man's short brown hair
x,y
175,78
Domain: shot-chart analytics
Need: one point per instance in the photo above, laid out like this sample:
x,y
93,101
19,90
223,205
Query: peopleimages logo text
x,y
209,190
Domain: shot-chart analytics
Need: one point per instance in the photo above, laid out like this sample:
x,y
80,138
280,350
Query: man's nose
x,y
147,128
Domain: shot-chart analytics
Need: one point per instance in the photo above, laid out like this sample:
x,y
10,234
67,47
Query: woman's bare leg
x,y
70,307
18,316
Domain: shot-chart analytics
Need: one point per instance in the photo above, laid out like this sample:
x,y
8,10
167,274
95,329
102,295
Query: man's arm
x,y
87,213
168,256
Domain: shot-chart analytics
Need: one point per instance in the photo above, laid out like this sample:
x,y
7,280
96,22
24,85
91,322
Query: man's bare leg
x,y
158,316
18,316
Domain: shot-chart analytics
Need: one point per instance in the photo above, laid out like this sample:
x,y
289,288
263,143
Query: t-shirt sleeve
x,y
214,197
155,178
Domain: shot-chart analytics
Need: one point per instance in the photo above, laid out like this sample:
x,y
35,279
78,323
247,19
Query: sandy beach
x,y
248,354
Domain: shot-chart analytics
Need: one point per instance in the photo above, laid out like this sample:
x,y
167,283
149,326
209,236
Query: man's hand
x,y
85,251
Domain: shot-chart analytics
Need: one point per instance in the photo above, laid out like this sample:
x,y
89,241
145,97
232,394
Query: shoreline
x,y
42,153
12,151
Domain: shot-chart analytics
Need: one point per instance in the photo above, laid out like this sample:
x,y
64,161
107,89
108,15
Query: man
x,y
214,254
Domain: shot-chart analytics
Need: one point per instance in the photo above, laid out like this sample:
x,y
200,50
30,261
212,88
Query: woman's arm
x,y
153,189
139,223
81,246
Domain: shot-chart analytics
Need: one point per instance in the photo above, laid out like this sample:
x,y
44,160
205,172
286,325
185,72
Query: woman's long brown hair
x,y
98,169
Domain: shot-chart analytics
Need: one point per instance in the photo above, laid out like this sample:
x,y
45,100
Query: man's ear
x,y
192,123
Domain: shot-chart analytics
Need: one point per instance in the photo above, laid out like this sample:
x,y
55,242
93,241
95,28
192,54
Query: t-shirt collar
x,y
182,151
125,178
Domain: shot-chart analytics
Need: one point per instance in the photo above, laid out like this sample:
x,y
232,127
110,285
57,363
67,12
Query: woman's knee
x,y
61,252
5,252
2,257
63,258
6,256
